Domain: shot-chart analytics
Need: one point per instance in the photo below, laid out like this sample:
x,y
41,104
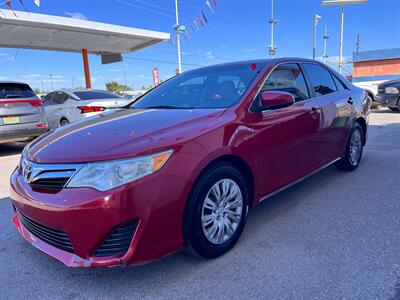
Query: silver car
x,y
21,113
66,106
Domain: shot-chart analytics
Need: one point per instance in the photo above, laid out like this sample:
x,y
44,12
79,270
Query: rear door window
x,y
15,91
48,99
321,79
288,78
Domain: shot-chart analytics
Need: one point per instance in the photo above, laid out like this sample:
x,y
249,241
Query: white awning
x,y
46,32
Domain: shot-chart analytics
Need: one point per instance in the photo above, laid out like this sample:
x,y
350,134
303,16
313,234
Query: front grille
x,y
47,176
54,237
118,241
50,183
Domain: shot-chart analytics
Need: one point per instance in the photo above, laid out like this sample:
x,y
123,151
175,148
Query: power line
x,y
145,8
162,61
186,16
237,20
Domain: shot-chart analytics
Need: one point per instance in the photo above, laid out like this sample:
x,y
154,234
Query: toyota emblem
x,y
27,172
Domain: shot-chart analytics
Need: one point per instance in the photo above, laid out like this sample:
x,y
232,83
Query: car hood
x,y
121,134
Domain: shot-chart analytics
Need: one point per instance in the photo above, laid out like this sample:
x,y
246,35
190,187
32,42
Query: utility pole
x,y
272,22
326,38
41,81
341,39
51,81
177,26
316,20
358,43
125,78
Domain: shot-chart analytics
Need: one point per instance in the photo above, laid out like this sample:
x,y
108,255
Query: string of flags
x,y
199,22
21,2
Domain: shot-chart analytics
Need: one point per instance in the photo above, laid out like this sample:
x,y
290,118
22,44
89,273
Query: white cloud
x,y
249,50
76,15
209,55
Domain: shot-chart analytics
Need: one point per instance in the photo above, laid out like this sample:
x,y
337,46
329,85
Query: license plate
x,y
11,120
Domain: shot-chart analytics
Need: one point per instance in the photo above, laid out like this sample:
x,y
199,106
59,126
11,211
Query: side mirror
x,y
275,99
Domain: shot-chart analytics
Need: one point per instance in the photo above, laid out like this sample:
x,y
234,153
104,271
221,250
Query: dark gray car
x,y
389,94
21,113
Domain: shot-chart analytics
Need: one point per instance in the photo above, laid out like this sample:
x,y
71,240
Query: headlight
x,y
391,90
104,176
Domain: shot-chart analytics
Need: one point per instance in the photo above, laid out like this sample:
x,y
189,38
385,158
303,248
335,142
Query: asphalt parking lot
x,y
334,236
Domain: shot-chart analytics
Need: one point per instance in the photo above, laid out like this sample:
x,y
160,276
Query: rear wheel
x,y
216,211
64,122
354,150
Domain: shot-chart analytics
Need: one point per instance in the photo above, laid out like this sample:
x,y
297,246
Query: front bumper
x,y
387,100
88,216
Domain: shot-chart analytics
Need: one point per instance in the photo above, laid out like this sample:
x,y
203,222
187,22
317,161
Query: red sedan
x,y
184,165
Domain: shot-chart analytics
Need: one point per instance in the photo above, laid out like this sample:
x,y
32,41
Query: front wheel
x,y
216,211
354,150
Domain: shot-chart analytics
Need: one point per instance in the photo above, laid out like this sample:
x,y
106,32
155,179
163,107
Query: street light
x,y
342,3
178,38
326,38
316,21
272,22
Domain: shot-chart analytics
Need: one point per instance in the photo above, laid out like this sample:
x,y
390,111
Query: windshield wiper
x,y
168,107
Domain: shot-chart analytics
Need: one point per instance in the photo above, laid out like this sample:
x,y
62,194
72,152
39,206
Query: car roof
x,y
391,81
84,90
271,61
17,82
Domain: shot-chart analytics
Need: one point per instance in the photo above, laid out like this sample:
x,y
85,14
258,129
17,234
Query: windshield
x,y
93,95
214,87
15,91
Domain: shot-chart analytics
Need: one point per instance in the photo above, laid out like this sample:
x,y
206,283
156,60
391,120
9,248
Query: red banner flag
x,y
156,78
201,21
8,3
215,3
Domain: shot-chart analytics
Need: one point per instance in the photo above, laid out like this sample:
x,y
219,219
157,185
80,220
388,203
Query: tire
x,y
394,108
200,220
354,150
64,122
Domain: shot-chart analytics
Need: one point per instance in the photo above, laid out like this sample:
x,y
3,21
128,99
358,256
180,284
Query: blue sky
x,y
239,30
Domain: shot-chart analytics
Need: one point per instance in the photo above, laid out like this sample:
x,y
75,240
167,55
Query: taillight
x,y
90,109
35,103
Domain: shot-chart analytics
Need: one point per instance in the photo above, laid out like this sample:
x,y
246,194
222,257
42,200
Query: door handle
x,y
350,100
314,112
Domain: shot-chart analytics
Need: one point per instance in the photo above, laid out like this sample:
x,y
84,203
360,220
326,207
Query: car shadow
x,y
12,148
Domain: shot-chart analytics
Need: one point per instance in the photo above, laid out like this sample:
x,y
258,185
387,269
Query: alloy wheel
x,y
355,147
222,211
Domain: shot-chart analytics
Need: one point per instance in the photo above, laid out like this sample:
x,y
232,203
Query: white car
x,y
371,87
66,106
